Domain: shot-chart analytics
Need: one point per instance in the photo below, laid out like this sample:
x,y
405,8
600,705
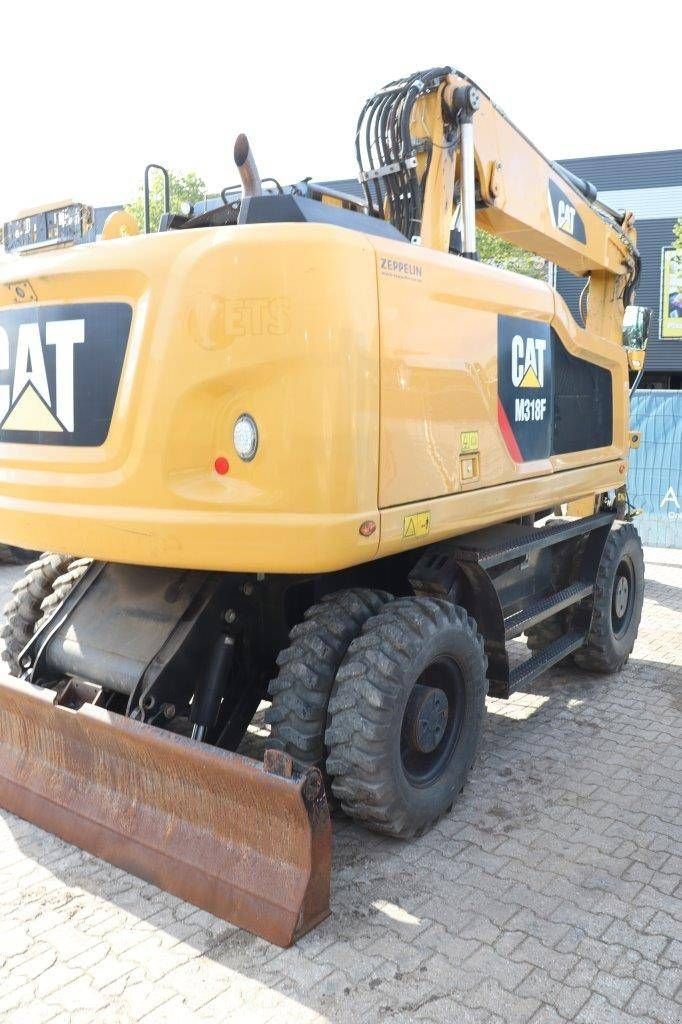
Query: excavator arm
x,y
435,153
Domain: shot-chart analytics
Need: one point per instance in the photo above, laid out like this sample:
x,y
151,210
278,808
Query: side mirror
x,y
636,323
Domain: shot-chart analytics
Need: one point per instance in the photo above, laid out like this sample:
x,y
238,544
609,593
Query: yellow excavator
x,y
300,448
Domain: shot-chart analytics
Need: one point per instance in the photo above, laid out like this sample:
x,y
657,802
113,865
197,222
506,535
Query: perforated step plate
x,y
540,610
524,674
487,550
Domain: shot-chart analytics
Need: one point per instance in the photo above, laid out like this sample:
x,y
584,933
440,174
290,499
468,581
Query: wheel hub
x,y
621,596
426,717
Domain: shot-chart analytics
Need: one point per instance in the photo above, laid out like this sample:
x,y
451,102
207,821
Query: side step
x,y
518,623
486,550
246,841
502,570
523,674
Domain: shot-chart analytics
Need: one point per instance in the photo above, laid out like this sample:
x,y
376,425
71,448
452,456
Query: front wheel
x,y
617,603
307,668
405,715
23,610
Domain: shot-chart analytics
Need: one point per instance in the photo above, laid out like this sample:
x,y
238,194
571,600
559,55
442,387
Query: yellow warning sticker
x,y
417,525
468,441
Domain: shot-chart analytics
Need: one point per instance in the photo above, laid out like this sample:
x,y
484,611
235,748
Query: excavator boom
x,y
434,151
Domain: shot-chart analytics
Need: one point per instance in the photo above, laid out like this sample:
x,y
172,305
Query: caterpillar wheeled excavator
x,y
306,449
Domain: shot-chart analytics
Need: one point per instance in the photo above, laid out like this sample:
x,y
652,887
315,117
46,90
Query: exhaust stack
x,y
246,165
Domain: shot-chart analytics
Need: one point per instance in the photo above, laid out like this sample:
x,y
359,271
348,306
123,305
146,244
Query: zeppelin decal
x,y
401,268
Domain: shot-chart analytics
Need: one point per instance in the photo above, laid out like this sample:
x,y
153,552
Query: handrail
x,y
147,199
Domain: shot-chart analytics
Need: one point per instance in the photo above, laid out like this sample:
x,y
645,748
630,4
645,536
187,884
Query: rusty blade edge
x,y
59,808
189,882
244,880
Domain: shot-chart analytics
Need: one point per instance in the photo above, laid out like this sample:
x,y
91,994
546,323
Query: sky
x,y
94,91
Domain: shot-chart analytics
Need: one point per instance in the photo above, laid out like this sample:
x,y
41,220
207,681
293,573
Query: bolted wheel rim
x,y
432,721
623,597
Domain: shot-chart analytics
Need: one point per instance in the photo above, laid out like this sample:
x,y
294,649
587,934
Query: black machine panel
x,y
564,214
267,209
525,386
549,401
583,404
59,371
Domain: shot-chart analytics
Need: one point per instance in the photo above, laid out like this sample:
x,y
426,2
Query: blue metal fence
x,y
655,476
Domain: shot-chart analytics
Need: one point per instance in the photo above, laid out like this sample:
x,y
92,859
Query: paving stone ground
x,y
553,892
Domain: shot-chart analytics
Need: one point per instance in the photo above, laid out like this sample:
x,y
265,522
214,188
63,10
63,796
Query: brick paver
x,y
553,892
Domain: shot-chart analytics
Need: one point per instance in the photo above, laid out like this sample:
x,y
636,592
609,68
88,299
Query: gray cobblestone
x,y
490,964
566,1000
648,1002
511,1007
599,1010
556,965
552,893
617,990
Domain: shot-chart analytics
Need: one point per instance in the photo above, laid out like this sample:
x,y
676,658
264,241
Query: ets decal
x,y
525,387
59,372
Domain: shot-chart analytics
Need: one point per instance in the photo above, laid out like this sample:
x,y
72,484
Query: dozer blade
x,y
215,828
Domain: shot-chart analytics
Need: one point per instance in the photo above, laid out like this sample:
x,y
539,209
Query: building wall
x,y
630,170
649,184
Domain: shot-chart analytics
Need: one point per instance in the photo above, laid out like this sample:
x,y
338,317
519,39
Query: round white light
x,y
245,437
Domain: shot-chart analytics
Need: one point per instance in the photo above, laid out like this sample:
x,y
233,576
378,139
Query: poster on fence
x,y
671,293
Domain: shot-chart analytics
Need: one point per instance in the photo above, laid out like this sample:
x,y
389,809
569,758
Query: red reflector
x,y
368,527
221,465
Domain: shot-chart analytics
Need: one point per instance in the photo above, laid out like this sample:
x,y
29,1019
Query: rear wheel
x,y
307,669
61,588
405,715
23,610
617,603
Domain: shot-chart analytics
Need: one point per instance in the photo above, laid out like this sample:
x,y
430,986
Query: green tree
x,y
188,188
499,253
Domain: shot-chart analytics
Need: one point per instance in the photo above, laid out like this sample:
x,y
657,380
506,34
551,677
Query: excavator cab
x,y
636,326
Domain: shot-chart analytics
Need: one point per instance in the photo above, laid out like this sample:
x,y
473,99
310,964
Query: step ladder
x,y
506,569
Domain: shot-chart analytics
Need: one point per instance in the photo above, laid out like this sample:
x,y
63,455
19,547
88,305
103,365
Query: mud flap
x,y
217,829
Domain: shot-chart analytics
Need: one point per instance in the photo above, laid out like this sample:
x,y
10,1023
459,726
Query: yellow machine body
x,y
399,393
369,366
